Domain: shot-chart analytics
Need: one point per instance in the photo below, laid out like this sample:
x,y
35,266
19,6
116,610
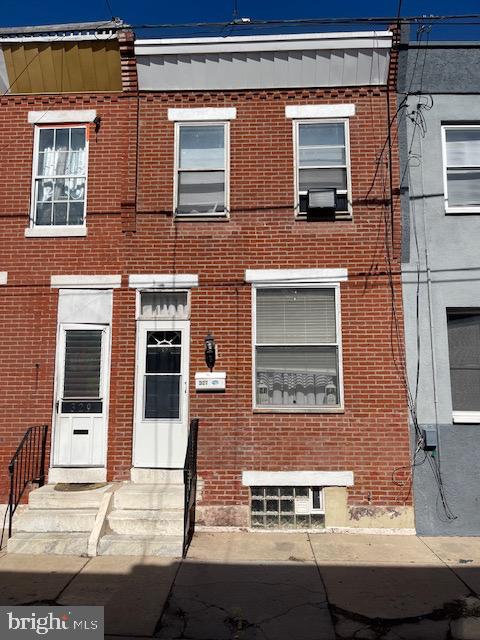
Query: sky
x,y
136,12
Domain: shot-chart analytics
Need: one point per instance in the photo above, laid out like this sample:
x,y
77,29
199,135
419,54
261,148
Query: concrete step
x,y
56,520
146,522
73,544
156,476
47,498
149,496
137,545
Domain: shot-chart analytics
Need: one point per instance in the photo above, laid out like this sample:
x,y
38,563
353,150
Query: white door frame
x,y
89,470
163,430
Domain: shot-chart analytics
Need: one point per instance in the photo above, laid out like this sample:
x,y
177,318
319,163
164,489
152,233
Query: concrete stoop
x,y
139,519
147,519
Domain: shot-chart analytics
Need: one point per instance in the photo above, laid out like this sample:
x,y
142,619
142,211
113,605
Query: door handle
x,y
57,405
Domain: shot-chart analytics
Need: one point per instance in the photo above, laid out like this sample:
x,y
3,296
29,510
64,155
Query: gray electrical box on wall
x,y
430,439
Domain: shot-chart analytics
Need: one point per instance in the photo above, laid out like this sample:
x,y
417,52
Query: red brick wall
x,y
370,437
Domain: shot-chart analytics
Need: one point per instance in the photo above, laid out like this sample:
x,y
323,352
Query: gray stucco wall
x,y
449,244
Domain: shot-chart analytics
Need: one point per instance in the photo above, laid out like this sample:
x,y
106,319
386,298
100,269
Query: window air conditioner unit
x,y
321,203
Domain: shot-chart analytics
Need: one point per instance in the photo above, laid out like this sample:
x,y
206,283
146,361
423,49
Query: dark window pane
x,y
163,360
78,139
464,352
62,139
45,140
75,212
59,213
83,350
44,213
162,395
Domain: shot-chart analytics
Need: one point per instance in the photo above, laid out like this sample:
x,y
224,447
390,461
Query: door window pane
x,y
464,353
83,354
162,395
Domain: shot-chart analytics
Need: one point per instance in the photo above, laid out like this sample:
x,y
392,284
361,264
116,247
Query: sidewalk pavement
x,y
269,586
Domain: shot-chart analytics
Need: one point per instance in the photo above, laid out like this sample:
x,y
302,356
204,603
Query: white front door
x,y
161,394
80,425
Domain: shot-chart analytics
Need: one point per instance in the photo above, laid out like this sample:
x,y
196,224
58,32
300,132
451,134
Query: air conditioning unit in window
x,y
321,204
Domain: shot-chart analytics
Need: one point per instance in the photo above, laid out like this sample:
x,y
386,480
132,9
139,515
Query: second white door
x,y
161,394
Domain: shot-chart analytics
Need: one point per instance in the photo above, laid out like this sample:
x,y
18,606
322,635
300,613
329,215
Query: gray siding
x,y
217,70
450,243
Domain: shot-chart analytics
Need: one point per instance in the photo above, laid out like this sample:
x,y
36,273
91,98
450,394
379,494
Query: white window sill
x,y
201,217
55,232
467,209
466,417
298,410
338,216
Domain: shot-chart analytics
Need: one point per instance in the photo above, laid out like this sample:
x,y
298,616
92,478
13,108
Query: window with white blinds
x,y
297,347
462,168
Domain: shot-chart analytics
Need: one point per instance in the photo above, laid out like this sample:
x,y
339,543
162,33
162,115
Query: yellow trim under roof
x,y
63,67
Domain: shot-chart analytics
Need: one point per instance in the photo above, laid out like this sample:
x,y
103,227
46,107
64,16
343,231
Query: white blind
x,y
463,147
296,316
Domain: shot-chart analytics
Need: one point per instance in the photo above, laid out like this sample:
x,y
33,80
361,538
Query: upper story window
x,y
59,176
464,354
297,347
461,166
323,161
201,181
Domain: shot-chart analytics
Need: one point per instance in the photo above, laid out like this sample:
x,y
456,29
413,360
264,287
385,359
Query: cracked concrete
x,y
270,586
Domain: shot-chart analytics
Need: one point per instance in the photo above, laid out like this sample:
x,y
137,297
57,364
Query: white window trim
x,y
294,276
466,417
338,215
202,114
40,231
303,111
56,231
455,209
297,478
3,277
138,303
200,216
62,117
86,282
163,281
340,408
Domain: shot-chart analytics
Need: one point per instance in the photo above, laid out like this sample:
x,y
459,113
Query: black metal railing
x,y
26,467
190,479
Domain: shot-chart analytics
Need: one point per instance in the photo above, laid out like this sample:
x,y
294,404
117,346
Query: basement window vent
x,y
287,507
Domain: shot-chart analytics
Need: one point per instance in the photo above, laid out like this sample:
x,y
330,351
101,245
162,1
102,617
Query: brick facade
x,y
131,229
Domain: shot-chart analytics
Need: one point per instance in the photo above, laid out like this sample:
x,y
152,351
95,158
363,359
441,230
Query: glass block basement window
x,y
287,508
